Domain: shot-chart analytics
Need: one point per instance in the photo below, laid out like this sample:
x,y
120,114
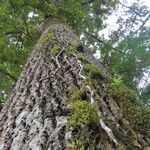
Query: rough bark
x,y
35,116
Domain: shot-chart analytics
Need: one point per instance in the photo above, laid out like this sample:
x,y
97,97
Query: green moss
x,y
134,111
93,83
88,81
93,71
121,147
124,96
55,50
70,49
121,91
82,113
72,46
138,115
74,94
85,138
128,138
83,59
48,36
147,148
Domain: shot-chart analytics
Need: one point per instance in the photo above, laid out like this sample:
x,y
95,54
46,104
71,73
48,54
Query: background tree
x,y
126,52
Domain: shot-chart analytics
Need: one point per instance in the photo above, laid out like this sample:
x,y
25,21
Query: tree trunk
x,y
36,113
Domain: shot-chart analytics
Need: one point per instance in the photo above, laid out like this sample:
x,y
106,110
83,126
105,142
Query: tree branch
x,y
99,40
144,22
87,2
133,9
27,34
93,36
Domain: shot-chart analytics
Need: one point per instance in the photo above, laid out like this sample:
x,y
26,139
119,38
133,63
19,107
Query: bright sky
x,y
146,2
111,21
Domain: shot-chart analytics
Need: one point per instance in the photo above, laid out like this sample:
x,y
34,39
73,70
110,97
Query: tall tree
x,y
65,99
19,31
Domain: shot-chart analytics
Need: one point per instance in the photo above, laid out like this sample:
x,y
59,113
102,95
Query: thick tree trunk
x,y
35,115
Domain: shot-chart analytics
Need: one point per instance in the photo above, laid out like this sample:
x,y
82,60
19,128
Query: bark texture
x,y
35,115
